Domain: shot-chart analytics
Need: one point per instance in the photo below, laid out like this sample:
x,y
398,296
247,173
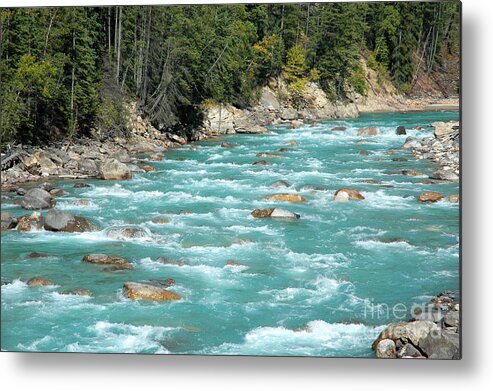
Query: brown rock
x,y
30,222
339,129
80,185
345,194
160,220
363,153
137,290
156,157
261,213
285,197
430,196
227,145
260,163
103,259
148,168
39,281
368,131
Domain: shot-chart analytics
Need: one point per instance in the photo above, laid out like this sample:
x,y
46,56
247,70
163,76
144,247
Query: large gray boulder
x,y
114,170
57,220
36,199
445,175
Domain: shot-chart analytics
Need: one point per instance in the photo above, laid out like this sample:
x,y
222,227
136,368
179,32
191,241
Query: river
x,y
304,287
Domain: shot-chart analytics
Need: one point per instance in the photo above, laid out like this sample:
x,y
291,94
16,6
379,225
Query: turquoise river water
x,y
305,287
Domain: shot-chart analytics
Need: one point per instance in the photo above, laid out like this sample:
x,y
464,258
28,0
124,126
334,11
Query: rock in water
x,y
8,221
400,131
368,131
261,213
445,175
280,184
269,155
279,213
29,223
57,220
103,259
285,197
38,281
114,170
385,349
412,332
80,185
339,129
345,194
122,233
36,199
260,163
137,290
430,196
454,198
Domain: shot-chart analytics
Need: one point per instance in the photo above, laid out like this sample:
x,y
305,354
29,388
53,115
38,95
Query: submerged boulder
x,y
114,170
345,194
371,131
39,281
286,197
122,233
280,184
36,199
339,129
269,155
454,198
260,163
137,290
57,220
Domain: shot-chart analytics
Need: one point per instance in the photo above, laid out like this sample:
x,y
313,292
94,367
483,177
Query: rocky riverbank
x,y
433,332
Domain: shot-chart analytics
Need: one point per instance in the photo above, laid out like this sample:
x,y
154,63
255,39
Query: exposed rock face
x,y
137,290
36,199
432,334
345,194
430,196
89,167
368,131
39,281
103,259
385,349
8,221
114,170
285,197
29,223
445,175
57,220
445,128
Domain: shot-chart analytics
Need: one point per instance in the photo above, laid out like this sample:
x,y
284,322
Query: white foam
x,y
319,338
122,338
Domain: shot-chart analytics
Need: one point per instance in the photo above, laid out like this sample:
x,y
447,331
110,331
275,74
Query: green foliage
x,y
294,71
358,81
67,70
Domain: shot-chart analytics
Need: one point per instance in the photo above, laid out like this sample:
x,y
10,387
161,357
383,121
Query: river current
x,y
308,287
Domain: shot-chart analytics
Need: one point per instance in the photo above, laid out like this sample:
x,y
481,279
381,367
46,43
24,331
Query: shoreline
x,y
82,158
